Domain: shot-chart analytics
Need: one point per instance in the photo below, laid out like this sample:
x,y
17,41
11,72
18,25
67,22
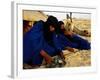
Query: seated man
x,y
33,40
73,38
38,44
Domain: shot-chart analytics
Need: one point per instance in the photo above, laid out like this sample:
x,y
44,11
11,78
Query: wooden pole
x,y
71,16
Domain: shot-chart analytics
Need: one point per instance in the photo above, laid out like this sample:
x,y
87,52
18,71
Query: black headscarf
x,y
50,21
59,30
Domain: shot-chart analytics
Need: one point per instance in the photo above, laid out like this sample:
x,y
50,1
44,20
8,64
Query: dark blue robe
x,y
74,41
34,42
65,42
82,43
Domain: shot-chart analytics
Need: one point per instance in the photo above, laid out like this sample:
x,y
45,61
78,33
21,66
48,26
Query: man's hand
x,y
47,57
70,49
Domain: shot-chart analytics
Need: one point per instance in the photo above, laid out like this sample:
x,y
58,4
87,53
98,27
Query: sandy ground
x,y
78,58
